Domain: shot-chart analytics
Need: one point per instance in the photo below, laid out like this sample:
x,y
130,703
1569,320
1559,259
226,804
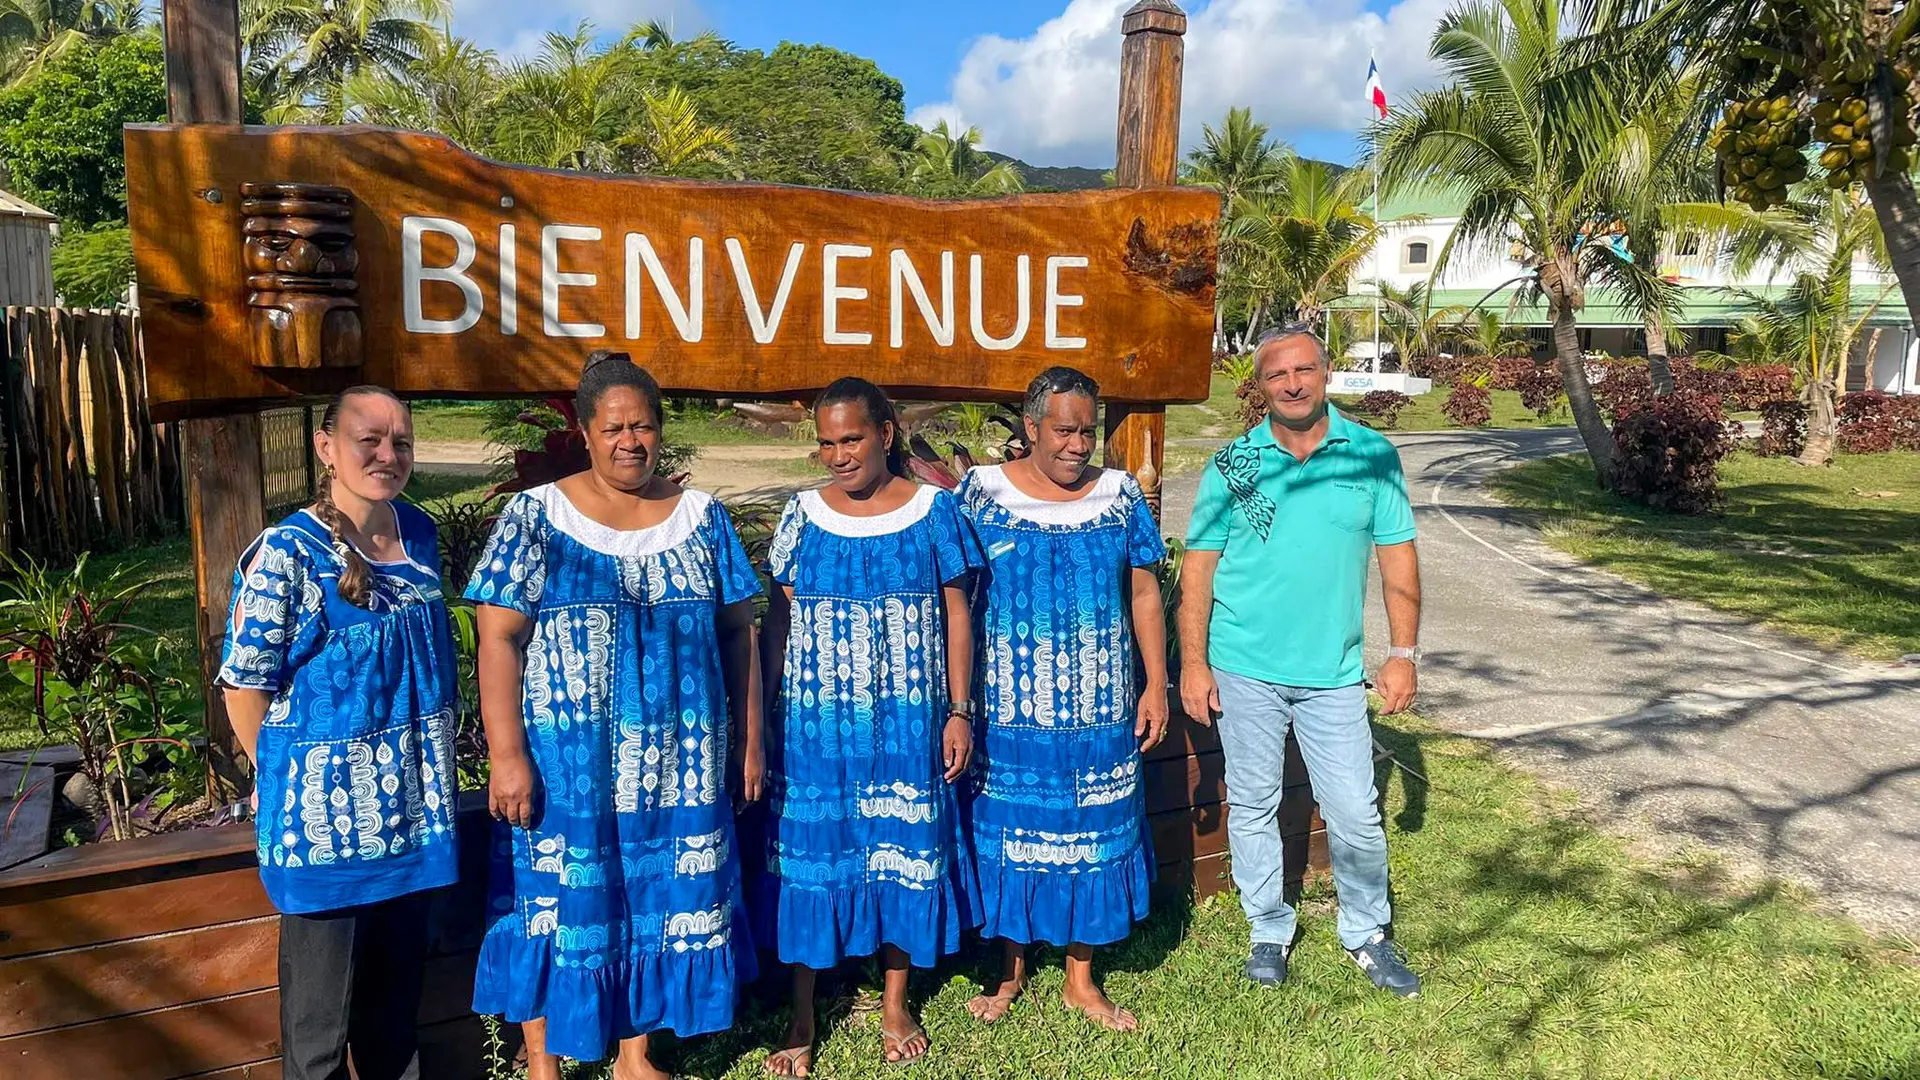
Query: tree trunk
x,y
1822,424
1658,369
1220,326
1898,208
1573,375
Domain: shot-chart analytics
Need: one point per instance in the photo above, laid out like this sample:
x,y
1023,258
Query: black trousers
x,y
352,979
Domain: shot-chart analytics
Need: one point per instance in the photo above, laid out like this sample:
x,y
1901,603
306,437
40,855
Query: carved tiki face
x,y
300,268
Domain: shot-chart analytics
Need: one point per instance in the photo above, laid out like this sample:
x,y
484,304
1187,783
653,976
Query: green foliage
x,y
60,132
947,164
34,33
93,267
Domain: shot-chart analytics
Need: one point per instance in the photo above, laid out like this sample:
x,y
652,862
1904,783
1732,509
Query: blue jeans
x,y
1337,744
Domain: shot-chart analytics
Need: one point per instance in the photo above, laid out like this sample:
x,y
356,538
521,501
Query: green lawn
x,y
1831,554
1547,949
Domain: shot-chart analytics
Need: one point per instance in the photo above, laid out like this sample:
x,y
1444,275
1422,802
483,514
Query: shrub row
x,y
1874,422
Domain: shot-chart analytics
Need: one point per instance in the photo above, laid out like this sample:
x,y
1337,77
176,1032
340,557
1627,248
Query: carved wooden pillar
x,y
225,493
1151,61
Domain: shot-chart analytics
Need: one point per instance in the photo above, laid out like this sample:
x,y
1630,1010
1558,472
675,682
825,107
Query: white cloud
x,y
1052,98
515,27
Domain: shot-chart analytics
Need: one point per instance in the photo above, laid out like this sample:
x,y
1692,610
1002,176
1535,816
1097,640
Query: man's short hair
x,y
1057,380
1287,333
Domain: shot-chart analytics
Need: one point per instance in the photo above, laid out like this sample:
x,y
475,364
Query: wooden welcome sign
x,y
280,262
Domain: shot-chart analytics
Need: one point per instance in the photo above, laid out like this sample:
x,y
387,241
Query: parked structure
x,y
26,253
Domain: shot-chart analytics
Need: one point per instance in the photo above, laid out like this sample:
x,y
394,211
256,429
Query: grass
x,y
1830,554
1548,950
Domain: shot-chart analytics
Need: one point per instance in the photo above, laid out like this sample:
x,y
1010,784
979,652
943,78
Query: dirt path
x,y
731,472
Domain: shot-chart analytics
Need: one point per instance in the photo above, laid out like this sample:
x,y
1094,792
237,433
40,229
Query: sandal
x,y
795,1058
1109,1018
892,1044
1003,1001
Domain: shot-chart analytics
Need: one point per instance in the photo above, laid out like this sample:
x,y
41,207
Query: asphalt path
x,y
1684,727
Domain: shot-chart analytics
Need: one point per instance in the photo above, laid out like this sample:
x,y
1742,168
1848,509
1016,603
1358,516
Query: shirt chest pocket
x,y
1350,506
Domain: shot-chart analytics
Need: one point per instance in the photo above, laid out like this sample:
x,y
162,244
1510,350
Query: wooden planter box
x,y
157,959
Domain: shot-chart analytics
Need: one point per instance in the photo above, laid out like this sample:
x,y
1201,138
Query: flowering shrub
x,y
1666,454
1383,405
1783,429
1468,404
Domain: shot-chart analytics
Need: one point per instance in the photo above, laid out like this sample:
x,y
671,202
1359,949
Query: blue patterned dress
x,y
618,913
864,843
1058,815
356,776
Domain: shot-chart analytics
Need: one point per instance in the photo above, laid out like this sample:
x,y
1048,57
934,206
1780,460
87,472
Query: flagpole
x,y
1379,274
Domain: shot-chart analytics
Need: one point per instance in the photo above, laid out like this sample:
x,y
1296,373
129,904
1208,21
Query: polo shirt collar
x,y
1339,430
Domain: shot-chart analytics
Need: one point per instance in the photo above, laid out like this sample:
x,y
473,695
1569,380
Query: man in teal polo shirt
x,y
1274,583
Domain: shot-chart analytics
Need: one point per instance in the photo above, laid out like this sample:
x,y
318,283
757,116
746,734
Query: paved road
x,y
1690,724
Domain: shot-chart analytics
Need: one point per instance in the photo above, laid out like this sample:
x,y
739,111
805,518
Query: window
x,y
1416,253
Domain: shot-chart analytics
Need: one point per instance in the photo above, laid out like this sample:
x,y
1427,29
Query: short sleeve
x,y
786,542
1392,510
956,550
512,571
971,495
1145,546
277,617
1212,512
734,576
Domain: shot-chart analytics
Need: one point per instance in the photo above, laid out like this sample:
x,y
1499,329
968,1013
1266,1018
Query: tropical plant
x,y
33,33
566,108
1531,138
1485,334
97,681
1293,249
1411,324
62,135
671,136
301,53
948,164
451,88
1816,320
93,267
1236,159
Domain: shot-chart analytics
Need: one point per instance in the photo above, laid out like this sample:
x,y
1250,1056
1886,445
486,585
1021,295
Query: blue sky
x,y
1039,76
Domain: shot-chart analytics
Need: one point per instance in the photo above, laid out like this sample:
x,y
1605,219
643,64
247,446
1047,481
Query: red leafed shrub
x,y
1874,422
1510,371
1383,405
1783,429
1760,385
1666,454
1540,388
1468,405
1447,370
1627,389
1253,405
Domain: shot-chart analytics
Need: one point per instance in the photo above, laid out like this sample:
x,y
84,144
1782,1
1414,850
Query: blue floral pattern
x,y
864,844
1057,811
619,912
355,758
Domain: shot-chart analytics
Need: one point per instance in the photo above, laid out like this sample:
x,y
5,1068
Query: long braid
x,y
356,576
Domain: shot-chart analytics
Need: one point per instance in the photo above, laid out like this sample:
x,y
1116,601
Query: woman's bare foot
x,y
796,1057
902,1039
540,1064
1096,1007
991,1007
634,1064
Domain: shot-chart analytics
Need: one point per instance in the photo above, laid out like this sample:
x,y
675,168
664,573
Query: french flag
x,y
1376,93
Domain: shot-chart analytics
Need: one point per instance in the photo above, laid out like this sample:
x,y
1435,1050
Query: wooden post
x,y
221,455
1151,62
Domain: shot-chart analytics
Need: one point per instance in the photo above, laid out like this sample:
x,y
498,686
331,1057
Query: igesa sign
x,y
276,263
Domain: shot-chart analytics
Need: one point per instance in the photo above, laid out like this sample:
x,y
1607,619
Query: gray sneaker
x,y
1267,963
1386,964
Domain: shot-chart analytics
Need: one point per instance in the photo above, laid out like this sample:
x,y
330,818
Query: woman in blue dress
x,y
340,681
865,852
1070,588
616,670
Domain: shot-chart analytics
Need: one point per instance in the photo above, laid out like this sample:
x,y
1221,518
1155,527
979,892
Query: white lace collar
x,y
1098,499
886,524
624,543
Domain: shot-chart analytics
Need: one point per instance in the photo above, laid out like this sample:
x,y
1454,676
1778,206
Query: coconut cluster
x,y
1760,144
1842,119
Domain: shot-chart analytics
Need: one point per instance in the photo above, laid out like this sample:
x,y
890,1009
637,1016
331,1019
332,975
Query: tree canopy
x,y
60,132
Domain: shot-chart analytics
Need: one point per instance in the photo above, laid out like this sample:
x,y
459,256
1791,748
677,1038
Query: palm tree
x,y
1817,320
672,135
35,32
450,88
301,52
1410,322
567,108
1238,159
946,163
1530,138
1486,335
1295,247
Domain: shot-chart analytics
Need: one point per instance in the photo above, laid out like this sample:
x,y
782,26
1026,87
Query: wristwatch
x,y
962,707
1401,652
